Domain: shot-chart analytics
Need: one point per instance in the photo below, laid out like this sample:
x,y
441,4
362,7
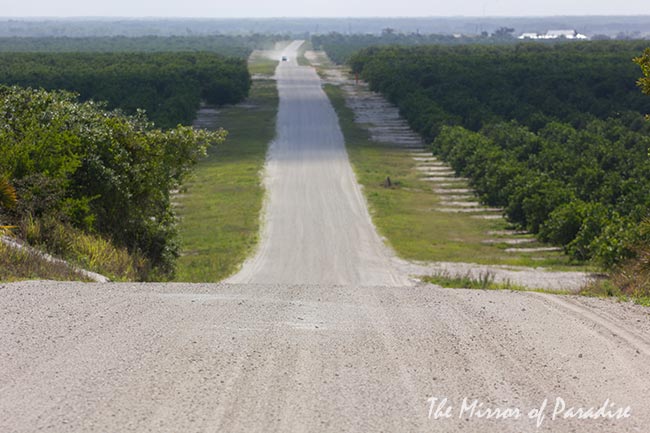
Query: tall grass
x,y
18,264
83,250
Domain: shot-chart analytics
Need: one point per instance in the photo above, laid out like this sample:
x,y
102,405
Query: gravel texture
x,y
293,358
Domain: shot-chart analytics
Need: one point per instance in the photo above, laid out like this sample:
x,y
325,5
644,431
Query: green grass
x,y
220,207
404,213
301,59
484,282
259,64
262,66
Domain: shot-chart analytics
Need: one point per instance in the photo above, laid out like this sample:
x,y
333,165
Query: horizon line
x,y
167,17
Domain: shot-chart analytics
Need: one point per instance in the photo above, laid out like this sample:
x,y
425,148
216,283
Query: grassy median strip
x,y
220,207
405,214
262,65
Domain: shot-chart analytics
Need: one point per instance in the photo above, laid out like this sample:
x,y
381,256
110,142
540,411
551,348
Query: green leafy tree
x,y
644,62
168,86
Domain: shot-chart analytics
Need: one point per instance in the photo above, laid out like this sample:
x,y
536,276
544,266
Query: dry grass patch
x,y
18,265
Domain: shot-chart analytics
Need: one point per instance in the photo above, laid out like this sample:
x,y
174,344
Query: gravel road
x,y
317,229
262,358
322,333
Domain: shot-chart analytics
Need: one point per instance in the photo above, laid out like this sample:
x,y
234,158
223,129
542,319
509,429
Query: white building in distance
x,y
554,34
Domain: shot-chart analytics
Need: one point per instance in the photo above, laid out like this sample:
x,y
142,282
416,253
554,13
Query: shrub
x,y
95,170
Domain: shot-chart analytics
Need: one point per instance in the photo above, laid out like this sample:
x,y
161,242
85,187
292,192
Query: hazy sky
x,y
322,8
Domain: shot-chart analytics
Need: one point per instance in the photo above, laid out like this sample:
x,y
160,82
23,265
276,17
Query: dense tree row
x,y
168,86
554,134
226,45
75,164
585,189
531,83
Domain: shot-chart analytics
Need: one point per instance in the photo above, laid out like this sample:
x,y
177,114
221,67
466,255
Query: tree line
x,y
168,86
554,134
226,45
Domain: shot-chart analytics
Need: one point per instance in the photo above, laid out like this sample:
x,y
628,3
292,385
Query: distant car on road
x,y
284,58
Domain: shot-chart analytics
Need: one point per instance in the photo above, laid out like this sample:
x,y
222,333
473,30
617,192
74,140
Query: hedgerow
x,y
79,165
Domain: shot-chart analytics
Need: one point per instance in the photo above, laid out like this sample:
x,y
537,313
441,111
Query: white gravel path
x,y
197,358
316,227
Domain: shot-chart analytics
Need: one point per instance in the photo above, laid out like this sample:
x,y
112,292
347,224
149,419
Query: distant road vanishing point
x,y
317,229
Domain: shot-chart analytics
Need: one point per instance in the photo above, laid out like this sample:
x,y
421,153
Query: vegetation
x,y
220,207
618,285
341,47
168,86
8,197
226,45
405,213
20,264
553,134
631,278
644,62
484,281
474,86
84,249
260,64
301,59
78,169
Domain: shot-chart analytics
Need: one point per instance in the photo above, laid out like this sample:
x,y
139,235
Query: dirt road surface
x,y
317,229
275,358
309,344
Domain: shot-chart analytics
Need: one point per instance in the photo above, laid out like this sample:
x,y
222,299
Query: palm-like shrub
x,y
8,197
